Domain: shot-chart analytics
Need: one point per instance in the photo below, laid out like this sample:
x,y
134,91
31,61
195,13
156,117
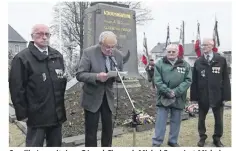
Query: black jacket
x,y
211,84
37,86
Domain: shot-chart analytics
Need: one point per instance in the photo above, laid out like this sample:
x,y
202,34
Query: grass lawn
x,y
188,134
16,137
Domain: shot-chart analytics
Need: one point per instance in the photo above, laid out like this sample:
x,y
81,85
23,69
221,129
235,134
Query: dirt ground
x,y
144,99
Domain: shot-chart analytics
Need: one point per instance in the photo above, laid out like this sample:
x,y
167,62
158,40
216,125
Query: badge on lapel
x,y
150,67
181,70
59,73
203,73
216,70
44,76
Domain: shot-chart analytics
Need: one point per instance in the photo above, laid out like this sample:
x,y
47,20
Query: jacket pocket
x,y
60,84
89,89
38,87
59,89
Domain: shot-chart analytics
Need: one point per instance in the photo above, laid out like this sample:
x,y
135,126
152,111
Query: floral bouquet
x,y
141,118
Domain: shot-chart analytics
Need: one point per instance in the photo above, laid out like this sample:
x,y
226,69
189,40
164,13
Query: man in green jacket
x,y
172,77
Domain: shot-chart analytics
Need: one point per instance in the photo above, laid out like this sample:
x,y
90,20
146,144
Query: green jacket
x,y
177,77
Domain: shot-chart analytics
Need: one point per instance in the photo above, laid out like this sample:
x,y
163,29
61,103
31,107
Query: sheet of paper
x,y
114,74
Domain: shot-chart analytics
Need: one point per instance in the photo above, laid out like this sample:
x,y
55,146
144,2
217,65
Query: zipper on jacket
x,y
208,92
47,61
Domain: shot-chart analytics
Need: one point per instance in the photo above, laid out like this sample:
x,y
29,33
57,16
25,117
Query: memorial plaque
x,y
103,17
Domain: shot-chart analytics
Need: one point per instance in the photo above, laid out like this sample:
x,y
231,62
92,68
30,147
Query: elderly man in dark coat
x,y
37,85
210,88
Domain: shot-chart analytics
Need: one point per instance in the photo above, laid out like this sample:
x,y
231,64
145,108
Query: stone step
x,y
71,84
130,81
22,126
12,114
128,84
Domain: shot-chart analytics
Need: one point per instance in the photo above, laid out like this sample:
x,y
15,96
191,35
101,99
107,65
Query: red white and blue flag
x,y
145,57
168,36
216,37
181,41
198,42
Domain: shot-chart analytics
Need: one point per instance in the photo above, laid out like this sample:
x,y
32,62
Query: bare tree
x,y
143,15
70,21
11,55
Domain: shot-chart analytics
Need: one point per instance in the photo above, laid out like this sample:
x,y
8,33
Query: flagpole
x,y
60,35
217,34
214,31
168,36
146,47
183,37
215,17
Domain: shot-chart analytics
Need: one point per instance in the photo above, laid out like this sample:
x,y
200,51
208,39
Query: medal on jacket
x,y
203,73
216,70
59,73
150,67
181,70
44,77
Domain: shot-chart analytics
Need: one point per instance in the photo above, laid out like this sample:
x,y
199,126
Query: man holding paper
x,y
98,96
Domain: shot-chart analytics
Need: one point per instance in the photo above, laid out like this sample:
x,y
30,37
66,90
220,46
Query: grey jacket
x,y
92,63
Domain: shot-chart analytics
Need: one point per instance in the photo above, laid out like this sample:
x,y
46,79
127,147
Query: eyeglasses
x,y
109,47
171,51
41,34
205,45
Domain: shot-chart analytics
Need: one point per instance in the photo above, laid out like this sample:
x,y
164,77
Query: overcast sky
x,y
23,15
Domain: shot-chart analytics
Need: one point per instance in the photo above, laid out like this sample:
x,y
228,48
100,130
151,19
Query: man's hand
x,y
102,76
25,120
194,102
153,89
172,94
223,102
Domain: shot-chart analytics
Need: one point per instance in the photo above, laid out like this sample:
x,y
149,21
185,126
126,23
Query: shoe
x,y
173,144
218,144
201,143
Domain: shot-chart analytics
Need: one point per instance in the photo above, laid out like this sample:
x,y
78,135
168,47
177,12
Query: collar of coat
x,y
52,53
215,59
178,63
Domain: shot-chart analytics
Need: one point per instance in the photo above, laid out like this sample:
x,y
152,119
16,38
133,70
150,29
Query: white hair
x,y
107,34
37,26
208,40
172,46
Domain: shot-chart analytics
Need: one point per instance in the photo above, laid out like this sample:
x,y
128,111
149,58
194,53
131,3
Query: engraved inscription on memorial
x,y
89,30
117,14
119,23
